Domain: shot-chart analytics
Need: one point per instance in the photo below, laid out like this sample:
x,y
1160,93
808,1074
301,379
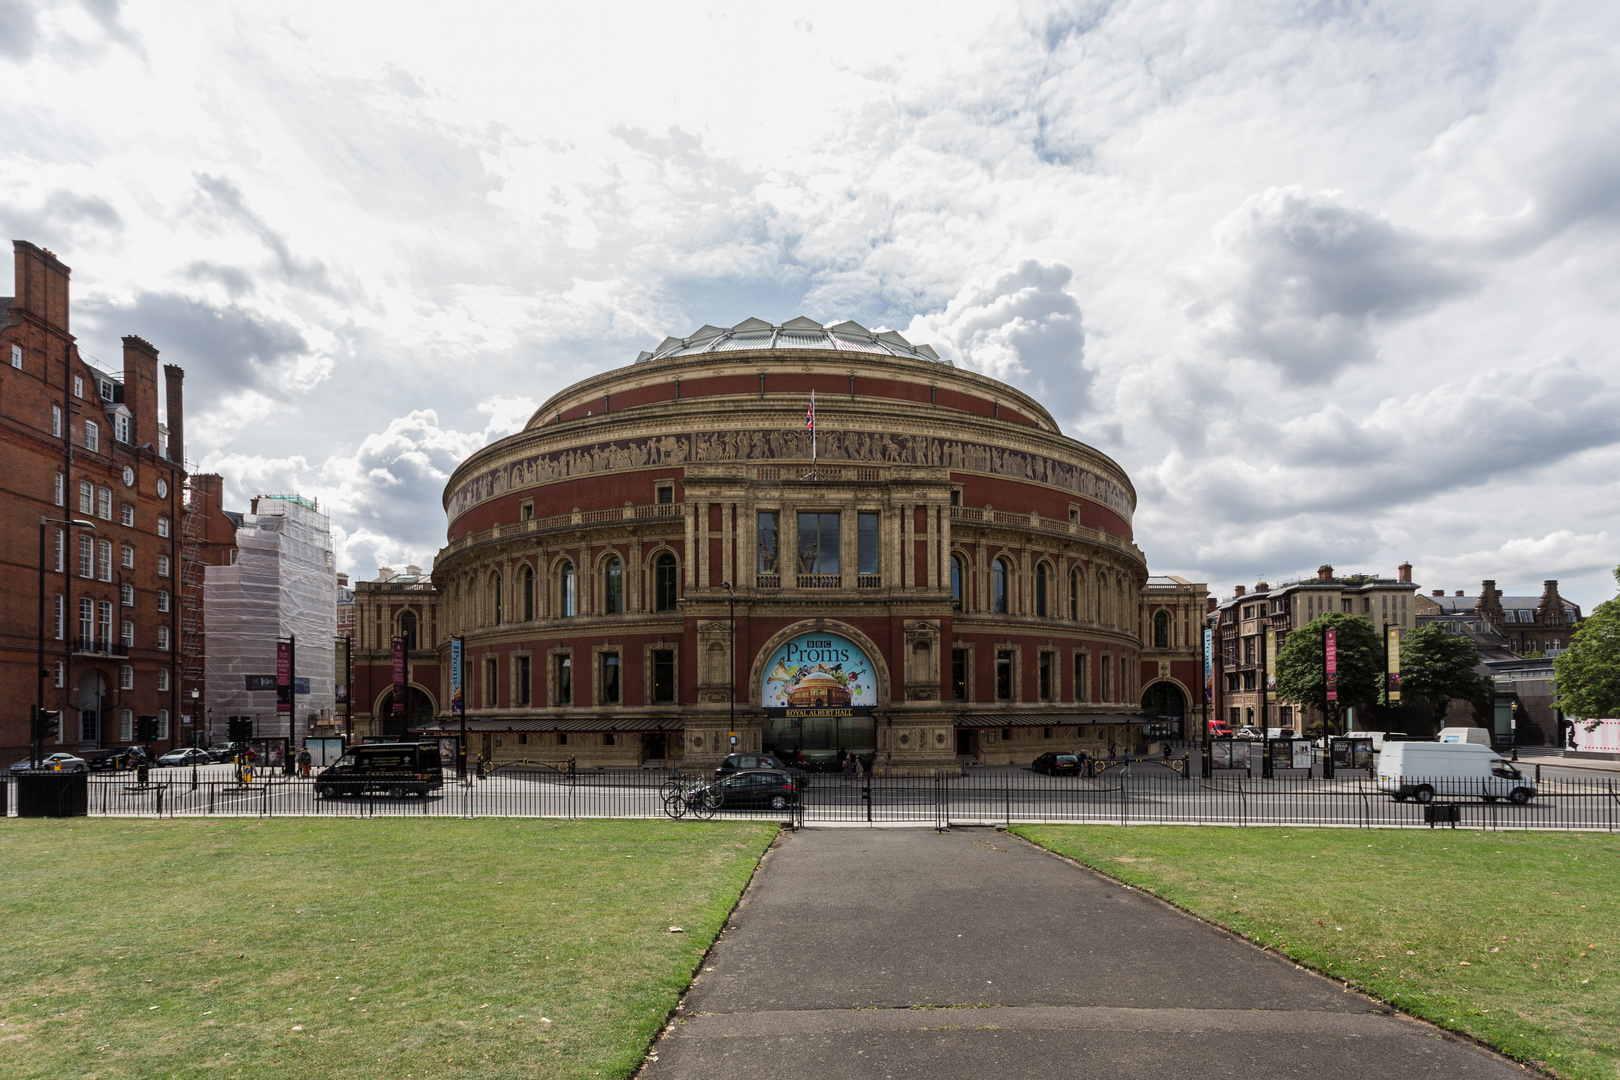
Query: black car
x,y
104,760
740,762
760,789
395,769
1053,764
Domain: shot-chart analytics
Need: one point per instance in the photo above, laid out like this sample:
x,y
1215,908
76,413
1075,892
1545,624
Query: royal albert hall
x,y
667,564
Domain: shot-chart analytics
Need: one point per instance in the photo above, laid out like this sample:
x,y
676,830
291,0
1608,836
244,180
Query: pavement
x,y
910,953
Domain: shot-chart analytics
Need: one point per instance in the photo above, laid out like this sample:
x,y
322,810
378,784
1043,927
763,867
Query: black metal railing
x,y
1143,793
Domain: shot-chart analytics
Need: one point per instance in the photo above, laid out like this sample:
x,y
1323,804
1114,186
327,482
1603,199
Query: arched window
x,y
665,595
1102,601
407,630
956,583
526,587
1042,589
469,602
1074,596
1161,630
613,586
566,606
999,575
495,598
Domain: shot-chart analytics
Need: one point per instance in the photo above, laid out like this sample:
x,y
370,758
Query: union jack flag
x,y
810,417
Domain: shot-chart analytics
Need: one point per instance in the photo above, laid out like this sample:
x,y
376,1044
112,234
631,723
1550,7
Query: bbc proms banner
x,y
818,674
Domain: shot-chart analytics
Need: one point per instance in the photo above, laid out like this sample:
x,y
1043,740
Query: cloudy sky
x,y
1336,281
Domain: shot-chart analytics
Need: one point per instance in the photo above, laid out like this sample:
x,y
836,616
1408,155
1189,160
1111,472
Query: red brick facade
x,y
81,443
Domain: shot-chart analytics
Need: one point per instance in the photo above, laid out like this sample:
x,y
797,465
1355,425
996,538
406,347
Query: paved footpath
x,y
893,953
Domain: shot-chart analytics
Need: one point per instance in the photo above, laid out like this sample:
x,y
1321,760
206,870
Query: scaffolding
x,y
283,583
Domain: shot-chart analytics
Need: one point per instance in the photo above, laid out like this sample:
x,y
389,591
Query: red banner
x,y
284,682
399,676
1330,649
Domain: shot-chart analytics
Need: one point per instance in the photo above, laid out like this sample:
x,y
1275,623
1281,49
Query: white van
x,y
1476,736
1422,770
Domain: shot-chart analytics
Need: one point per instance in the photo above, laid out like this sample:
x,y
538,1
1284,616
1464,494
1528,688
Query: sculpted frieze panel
x,y
790,445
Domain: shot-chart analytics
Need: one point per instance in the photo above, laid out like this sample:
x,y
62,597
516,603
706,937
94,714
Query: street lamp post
x,y
39,672
1513,729
731,660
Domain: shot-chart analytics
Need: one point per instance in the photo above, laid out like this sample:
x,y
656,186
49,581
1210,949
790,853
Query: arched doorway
x,y
418,713
92,689
1165,701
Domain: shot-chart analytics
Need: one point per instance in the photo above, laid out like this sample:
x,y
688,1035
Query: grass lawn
x,y
306,948
1508,937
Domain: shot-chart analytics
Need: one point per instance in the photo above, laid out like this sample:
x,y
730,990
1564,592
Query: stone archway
x,y
419,712
1164,699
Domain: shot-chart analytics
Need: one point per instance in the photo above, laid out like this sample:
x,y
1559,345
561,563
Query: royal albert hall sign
x,y
818,674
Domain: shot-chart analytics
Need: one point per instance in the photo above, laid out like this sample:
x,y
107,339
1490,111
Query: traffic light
x,y
239,728
145,728
46,724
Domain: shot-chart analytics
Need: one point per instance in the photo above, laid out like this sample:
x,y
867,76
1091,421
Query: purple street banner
x,y
399,676
1330,649
1392,677
284,685
455,676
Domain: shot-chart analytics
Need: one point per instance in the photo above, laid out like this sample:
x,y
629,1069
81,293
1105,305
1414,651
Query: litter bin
x,y
1442,814
53,794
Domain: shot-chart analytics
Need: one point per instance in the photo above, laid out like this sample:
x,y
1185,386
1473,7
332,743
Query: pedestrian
x,y
1113,751
860,770
1126,771
1167,751
303,762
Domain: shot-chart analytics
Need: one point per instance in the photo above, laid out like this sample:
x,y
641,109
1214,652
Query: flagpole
x,y
812,429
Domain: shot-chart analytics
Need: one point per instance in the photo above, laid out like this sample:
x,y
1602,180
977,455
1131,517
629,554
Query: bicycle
x,y
698,801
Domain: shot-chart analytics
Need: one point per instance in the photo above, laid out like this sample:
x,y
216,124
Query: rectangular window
x,y
610,678
92,436
16,357
126,517
769,556
56,421
126,633
163,525
818,549
126,725
87,498
121,427
867,532
104,559
666,495
87,620
959,674
563,678
163,678
87,557
61,669
104,504
523,682
126,677
163,724
1080,661
59,547
105,388
78,386
1107,669
526,510
58,492
1004,675
104,621
126,594
663,676
126,557
61,616
163,566
1045,670
163,637
163,599
492,675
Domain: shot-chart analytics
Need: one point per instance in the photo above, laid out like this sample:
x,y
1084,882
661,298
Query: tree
x,y
1438,667
1302,671
1588,672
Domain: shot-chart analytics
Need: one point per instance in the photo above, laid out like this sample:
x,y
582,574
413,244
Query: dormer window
x,y
121,427
105,387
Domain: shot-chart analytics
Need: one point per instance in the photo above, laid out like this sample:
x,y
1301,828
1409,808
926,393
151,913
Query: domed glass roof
x,y
800,333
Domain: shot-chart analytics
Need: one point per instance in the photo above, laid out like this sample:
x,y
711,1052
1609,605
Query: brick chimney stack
x,y
1404,573
1551,608
1324,573
173,374
140,389
1489,603
42,284
1438,592
1241,589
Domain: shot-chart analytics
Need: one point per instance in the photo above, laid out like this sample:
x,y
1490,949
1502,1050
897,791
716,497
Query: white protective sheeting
x,y
284,582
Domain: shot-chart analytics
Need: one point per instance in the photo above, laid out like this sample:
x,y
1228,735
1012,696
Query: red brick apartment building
x,y
79,444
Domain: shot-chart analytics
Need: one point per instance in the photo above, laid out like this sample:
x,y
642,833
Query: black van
x,y
395,769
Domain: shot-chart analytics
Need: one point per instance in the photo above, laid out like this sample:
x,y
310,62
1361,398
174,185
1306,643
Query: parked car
x,y
1249,731
103,760
186,755
761,789
395,769
1219,730
54,762
1422,770
1054,764
741,762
